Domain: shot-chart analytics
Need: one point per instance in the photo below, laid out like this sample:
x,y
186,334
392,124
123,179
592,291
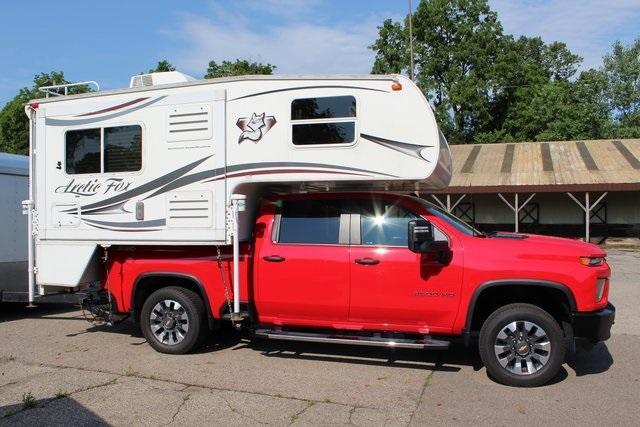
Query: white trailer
x,y
14,187
172,160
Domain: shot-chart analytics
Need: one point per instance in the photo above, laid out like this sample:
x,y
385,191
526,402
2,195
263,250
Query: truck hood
x,y
537,244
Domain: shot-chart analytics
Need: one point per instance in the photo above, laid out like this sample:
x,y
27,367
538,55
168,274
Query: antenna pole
x,y
411,40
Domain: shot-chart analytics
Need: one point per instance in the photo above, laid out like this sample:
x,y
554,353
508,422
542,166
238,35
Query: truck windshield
x,y
454,221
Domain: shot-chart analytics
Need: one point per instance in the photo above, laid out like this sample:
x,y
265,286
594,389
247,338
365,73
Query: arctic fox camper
x,y
167,161
171,201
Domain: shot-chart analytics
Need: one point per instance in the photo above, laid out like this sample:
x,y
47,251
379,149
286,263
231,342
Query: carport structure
x,y
573,188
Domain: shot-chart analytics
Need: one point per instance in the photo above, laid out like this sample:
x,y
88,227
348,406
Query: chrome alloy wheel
x,y
522,347
169,322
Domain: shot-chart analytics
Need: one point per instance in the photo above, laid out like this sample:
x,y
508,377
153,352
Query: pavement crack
x,y
242,414
45,402
178,409
295,416
351,412
185,384
426,383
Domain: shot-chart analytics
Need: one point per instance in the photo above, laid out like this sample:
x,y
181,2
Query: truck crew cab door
x,y
392,287
303,267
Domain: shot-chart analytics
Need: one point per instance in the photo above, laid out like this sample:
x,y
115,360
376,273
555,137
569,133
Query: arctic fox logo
x,y
255,127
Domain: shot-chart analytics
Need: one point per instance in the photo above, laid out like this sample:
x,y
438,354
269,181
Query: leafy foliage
x,y
163,66
14,123
237,68
622,70
486,86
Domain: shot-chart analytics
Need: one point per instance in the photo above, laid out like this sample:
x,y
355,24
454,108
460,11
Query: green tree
x,y
456,44
622,71
162,66
237,68
14,123
536,96
391,49
486,86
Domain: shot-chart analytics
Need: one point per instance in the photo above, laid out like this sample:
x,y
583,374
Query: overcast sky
x,y
109,41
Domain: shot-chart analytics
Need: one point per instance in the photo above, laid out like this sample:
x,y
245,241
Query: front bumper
x,y
595,326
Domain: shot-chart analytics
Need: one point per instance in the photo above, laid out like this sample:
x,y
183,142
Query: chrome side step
x,y
426,342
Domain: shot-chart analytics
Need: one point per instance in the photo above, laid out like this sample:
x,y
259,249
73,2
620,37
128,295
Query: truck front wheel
x,y
521,345
173,320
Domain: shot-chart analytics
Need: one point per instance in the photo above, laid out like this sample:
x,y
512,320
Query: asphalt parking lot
x,y
56,369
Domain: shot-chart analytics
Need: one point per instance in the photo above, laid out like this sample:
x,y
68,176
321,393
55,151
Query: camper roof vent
x,y
154,79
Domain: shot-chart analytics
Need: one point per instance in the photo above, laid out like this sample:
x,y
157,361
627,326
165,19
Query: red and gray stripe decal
x,y
115,107
98,116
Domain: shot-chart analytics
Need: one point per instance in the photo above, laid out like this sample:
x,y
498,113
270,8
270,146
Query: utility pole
x,y
411,39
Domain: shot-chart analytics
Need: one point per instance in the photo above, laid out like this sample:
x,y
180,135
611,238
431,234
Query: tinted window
x,y
122,149
309,221
323,108
384,223
82,151
324,133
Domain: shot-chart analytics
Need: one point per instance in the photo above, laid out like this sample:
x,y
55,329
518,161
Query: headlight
x,y
600,285
591,261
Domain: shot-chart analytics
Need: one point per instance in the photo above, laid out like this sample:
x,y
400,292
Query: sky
x,y
109,41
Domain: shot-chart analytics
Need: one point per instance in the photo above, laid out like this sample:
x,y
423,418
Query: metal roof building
x,y
549,187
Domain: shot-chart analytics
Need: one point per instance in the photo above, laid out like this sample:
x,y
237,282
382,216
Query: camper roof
x,y
390,77
14,164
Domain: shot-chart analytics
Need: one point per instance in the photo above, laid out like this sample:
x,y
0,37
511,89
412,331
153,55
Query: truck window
x,y
82,148
310,222
324,120
384,223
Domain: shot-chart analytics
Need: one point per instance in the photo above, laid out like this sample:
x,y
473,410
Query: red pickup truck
x,y
375,269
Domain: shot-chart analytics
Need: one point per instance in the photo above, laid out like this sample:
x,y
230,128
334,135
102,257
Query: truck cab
x,y
378,269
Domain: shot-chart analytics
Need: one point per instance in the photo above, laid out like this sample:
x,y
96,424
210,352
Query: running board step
x,y
425,342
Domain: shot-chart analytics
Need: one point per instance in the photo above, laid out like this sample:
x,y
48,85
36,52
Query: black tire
x,y
522,347
193,311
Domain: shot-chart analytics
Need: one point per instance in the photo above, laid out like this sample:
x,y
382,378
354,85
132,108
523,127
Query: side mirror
x,y
420,235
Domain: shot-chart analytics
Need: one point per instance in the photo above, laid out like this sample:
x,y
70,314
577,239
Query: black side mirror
x,y
420,235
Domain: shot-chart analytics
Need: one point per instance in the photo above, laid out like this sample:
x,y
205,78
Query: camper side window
x,y
112,149
83,151
325,120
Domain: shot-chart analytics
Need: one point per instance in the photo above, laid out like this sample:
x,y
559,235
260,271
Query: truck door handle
x,y
273,258
367,261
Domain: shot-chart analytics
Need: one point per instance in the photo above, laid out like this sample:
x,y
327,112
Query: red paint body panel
x,y
323,286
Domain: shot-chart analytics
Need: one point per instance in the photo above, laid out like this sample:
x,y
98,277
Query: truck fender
x,y
466,332
170,274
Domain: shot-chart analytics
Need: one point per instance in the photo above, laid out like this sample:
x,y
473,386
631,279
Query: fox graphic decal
x,y
253,128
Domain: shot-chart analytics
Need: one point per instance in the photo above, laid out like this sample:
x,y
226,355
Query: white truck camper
x,y
178,161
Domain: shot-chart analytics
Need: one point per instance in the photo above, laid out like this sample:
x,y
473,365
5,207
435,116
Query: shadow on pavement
x,y
10,311
596,361
52,411
438,360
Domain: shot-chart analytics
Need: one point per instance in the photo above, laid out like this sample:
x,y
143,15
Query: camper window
x,y
112,149
83,151
123,149
326,120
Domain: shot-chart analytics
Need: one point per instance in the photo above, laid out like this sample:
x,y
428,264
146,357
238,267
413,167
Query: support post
x,y
28,207
438,201
237,205
587,208
516,208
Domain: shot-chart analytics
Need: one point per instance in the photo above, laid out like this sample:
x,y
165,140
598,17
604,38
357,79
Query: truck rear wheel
x,y
173,320
521,345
